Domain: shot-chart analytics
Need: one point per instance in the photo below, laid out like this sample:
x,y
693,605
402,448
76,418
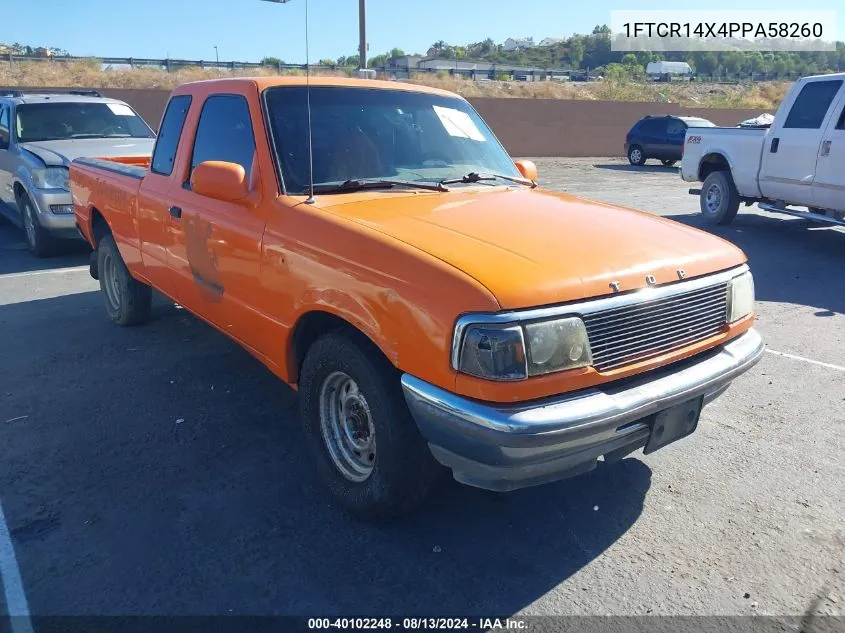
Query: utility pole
x,y
216,56
362,33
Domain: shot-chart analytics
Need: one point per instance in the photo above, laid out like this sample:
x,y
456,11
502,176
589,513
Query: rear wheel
x,y
127,300
368,450
719,199
38,239
636,156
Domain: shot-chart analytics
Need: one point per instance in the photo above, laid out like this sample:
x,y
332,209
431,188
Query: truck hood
x,y
533,248
61,153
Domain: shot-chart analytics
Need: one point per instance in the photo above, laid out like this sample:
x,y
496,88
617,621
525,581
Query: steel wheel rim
x,y
713,198
636,155
111,285
29,224
346,424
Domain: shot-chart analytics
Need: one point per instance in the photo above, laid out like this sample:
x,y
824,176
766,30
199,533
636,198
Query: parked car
x,y
40,134
432,306
660,137
797,161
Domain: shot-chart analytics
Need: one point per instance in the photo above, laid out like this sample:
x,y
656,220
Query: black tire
x,y
404,473
127,300
636,155
719,199
668,163
38,239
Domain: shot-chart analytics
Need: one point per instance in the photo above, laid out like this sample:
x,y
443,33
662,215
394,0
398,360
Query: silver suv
x,y
40,134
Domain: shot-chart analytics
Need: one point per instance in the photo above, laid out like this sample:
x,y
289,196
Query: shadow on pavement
x,y
662,169
15,258
793,261
160,470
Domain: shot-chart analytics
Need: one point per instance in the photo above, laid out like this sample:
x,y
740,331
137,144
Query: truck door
x,y
829,185
792,144
214,250
154,194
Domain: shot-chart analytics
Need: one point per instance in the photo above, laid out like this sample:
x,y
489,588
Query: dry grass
x,y
88,74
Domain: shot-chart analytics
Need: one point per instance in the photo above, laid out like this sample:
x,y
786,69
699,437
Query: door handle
x,y
775,144
826,148
175,212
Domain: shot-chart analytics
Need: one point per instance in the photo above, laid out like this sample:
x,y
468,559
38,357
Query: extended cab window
x,y
168,136
225,132
811,105
841,124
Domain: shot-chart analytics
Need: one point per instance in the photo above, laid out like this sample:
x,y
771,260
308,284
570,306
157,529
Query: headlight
x,y
556,345
493,351
740,297
513,351
51,178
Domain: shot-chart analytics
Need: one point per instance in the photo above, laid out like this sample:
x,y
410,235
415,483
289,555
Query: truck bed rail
x,y
131,167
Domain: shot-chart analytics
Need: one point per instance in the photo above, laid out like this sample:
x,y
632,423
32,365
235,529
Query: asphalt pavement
x,y
161,469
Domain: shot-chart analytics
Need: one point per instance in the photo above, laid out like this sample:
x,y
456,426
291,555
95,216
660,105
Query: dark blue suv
x,y
660,137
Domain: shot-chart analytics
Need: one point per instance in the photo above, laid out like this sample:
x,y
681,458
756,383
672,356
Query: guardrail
x,y
505,72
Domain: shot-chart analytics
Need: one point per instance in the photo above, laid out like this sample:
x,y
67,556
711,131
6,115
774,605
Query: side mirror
x,y
220,180
527,168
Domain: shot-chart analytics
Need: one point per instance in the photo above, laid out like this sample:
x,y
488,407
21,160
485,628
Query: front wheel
x,y
127,300
719,200
38,239
636,156
368,450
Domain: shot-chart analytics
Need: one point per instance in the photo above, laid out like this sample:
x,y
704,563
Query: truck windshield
x,y
72,120
366,133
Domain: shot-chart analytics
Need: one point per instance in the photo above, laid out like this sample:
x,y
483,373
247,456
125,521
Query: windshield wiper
x,y
359,184
473,177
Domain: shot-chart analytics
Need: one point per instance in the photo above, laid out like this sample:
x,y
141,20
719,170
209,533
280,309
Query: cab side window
x,y
168,136
4,127
225,133
841,124
811,104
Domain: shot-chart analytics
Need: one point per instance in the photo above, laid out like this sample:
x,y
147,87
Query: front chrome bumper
x,y
509,446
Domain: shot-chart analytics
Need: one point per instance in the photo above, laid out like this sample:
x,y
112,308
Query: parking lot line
x,y
50,271
806,360
10,578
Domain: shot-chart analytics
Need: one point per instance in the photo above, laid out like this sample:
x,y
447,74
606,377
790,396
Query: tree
x,y
272,61
602,29
397,52
327,62
379,61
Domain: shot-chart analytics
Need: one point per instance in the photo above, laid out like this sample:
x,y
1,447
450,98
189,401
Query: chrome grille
x,y
625,335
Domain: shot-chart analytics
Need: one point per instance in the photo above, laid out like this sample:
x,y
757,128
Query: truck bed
x,y
107,184
744,146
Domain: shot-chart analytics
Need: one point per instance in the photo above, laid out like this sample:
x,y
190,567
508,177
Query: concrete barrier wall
x,y
526,127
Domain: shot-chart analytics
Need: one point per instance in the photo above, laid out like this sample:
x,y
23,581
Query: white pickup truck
x,y
797,162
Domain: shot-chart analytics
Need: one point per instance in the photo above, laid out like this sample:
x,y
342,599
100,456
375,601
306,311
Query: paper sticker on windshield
x,y
120,109
458,123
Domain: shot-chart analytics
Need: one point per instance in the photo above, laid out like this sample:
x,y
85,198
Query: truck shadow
x,y
167,475
15,258
793,261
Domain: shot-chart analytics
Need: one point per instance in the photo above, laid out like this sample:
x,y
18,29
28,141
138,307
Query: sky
x,y
247,30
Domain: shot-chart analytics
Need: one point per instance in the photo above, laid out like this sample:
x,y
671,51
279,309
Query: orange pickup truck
x,y
431,304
